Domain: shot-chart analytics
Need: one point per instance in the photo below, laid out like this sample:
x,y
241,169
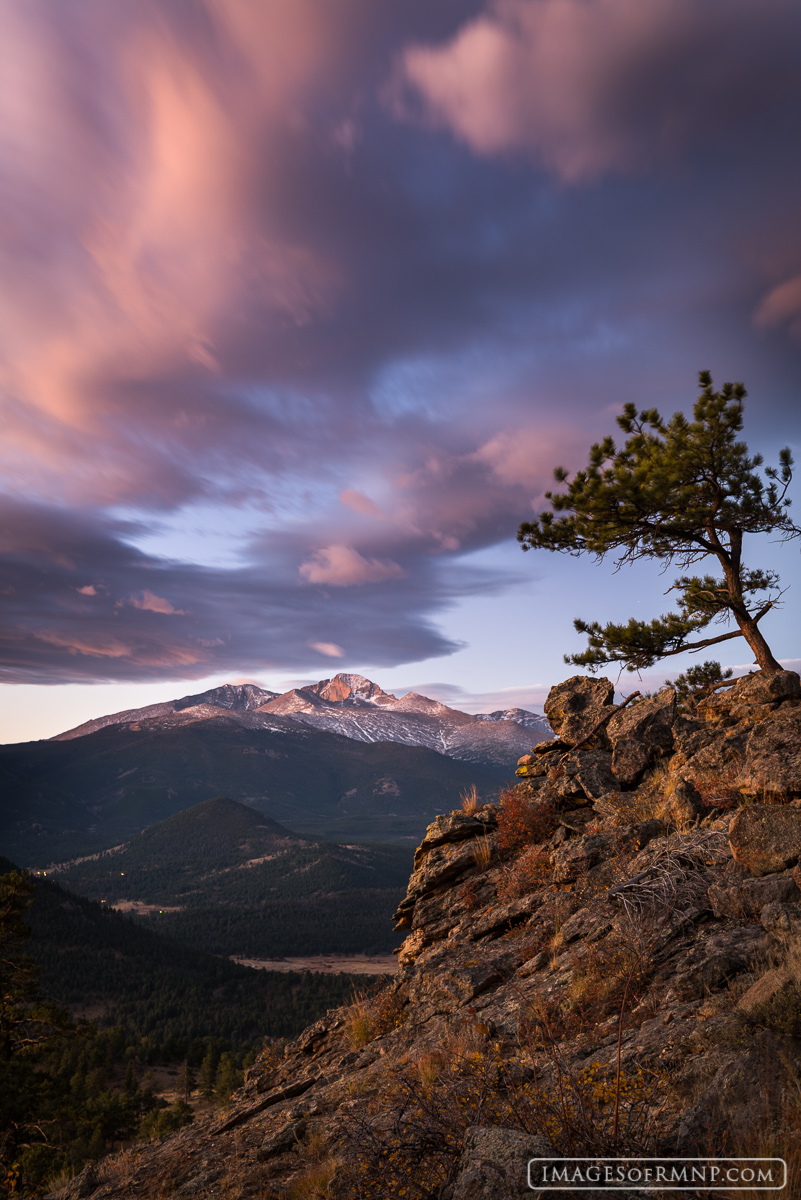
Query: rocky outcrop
x,y
645,943
574,707
765,838
640,735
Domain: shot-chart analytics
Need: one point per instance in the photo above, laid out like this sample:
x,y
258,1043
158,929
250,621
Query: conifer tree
x,y
207,1074
682,492
28,1023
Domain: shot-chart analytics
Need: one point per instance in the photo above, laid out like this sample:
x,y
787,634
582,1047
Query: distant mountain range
x,y
341,759
353,707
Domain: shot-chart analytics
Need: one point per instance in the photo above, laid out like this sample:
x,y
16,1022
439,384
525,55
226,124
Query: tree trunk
x,y
762,652
746,623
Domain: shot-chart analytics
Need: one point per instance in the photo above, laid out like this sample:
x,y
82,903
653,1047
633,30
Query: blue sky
x,y
302,304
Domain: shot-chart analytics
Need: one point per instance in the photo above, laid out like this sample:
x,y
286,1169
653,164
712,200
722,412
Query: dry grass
x,y
768,1134
371,1015
358,1024
470,801
312,1183
482,852
674,877
117,1168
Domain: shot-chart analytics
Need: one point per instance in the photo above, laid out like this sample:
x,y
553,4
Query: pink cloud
x,y
329,649
527,457
128,253
150,603
781,306
585,86
360,503
342,566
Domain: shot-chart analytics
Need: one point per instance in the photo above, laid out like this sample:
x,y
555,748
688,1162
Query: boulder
x,y
759,689
768,986
766,838
782,922
456,826
713,962
640,734
82,1185
575,706
773,756
577,856
750,699
587,774
287,1138
494,1165
685,806
746,898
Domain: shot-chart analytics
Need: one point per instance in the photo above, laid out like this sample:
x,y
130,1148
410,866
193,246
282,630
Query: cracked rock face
x,y
665,946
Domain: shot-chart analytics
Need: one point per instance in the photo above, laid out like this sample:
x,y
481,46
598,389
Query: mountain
x,y
339,759
221,877
64,798
356,708
222,852
519,716
231,696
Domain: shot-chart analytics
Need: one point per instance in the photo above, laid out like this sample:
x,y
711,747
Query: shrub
x,y
370,1017
528,873
409,1142
523,820
469,896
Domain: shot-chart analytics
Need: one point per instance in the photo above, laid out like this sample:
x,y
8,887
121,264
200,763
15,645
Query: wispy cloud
x,y
355,278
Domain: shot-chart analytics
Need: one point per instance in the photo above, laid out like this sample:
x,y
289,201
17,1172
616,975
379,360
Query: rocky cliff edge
x,y
607,961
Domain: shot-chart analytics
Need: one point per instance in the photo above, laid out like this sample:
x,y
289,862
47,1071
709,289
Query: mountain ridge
x,y
352,706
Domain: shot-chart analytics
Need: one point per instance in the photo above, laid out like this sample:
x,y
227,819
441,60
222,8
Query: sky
x,y
302,303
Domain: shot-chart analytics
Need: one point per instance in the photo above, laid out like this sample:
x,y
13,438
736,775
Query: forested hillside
x,y
223,878
69,798
97,961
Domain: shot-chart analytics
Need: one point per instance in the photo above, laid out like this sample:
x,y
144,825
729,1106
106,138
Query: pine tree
x,y
208,1073
681,492
228,1079
28,1024
187,1081
695,681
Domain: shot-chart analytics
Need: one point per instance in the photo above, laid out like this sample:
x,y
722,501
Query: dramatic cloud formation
x,y
610,85
302,303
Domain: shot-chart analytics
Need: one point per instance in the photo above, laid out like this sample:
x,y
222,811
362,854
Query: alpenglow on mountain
x,y
351,706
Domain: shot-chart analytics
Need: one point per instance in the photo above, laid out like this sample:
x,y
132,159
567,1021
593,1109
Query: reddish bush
x,y
530,872
523,821
469,896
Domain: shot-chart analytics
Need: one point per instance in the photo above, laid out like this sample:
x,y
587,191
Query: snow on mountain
x,y
520,716
235,697
353,707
